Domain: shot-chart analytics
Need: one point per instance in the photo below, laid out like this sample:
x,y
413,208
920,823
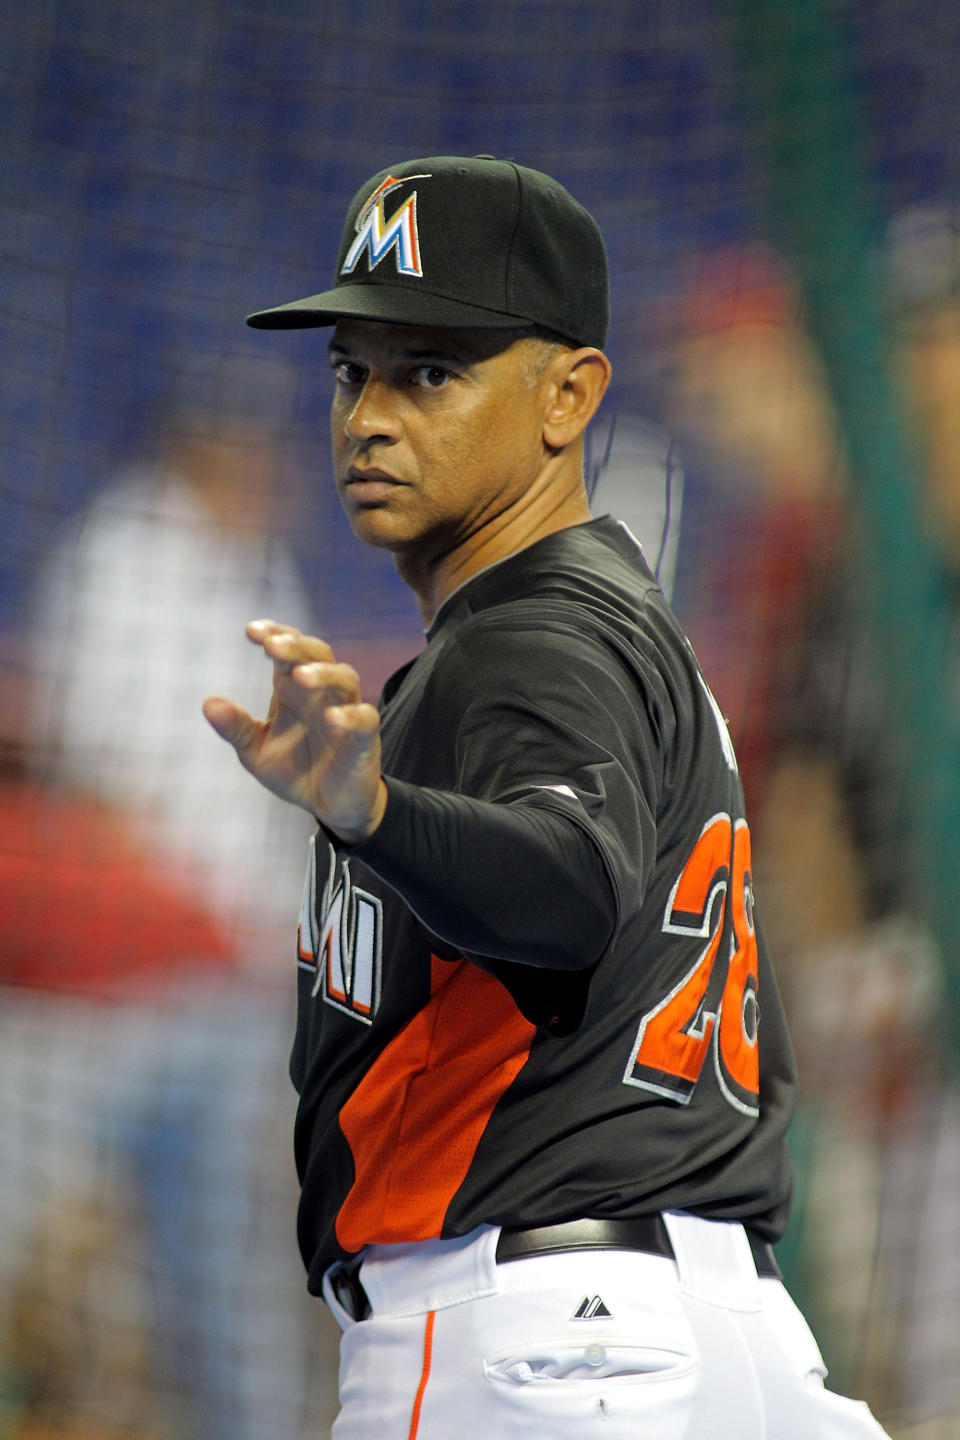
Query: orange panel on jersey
x,y
415,1120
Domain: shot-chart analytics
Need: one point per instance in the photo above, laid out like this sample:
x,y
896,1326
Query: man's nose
x,y
375,415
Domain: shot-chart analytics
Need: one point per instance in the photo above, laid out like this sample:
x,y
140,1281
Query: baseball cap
x,y
452,241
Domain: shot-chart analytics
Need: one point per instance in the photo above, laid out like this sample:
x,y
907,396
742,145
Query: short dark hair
x,y
539,332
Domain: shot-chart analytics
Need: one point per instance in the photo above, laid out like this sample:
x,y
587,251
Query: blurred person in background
x,y
779,616
747,398
893,974
141,883
134,606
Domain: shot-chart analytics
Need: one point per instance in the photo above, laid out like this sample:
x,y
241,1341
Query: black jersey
x,y
540,991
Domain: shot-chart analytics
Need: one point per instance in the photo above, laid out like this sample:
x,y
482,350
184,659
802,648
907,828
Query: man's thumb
x,y
231,722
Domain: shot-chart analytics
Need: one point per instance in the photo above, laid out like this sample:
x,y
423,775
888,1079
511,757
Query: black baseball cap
x,y
451,241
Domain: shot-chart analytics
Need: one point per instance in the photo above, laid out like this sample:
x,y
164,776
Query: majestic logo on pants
x,y
591,1309
341,939
378,235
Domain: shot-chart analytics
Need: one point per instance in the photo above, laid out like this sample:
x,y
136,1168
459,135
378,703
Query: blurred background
x,y
778,182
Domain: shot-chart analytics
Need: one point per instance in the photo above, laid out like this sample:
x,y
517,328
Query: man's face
x,y
435,432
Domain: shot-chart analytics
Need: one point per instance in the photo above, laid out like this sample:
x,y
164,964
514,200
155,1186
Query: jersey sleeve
x,y
547,831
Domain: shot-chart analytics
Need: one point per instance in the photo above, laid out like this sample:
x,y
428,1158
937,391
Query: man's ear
x,y
579,379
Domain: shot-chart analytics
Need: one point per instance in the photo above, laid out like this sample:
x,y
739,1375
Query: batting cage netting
x,y
778,183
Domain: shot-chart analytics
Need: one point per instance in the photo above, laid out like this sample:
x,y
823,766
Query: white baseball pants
x,y
611,1344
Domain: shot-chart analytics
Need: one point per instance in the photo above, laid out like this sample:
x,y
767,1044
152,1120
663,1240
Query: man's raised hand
x,y
319,746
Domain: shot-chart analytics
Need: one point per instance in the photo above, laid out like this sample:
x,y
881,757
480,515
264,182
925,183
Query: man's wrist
x,y
351,836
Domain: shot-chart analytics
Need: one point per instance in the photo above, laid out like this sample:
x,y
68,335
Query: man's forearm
x,y
514,882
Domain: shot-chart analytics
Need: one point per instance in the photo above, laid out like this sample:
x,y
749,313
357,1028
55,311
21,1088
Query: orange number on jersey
x,y
675,1036
739,1070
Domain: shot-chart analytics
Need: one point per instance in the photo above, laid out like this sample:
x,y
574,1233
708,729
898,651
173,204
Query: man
x,y
541,1125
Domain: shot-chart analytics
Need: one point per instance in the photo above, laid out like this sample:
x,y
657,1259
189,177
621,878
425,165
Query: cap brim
x,y
392,305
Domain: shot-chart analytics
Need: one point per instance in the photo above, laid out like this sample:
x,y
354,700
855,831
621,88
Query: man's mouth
x,y
370,486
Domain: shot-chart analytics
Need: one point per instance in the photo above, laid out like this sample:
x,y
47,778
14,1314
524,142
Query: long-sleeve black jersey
x,y
540,990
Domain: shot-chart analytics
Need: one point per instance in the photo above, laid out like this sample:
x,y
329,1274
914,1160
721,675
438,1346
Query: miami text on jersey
x,y
341,939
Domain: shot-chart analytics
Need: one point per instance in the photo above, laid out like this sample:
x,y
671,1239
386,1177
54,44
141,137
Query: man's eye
x,y
347,373
430,377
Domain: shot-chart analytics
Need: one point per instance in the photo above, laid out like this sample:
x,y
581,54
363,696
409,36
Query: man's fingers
x,y
287,645
292,648
360,722
319,745
259,629
330,683
232,723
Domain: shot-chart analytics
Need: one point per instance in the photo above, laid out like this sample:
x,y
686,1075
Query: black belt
x,y
647,1234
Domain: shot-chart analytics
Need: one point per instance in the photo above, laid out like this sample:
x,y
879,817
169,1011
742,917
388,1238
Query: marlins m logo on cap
x,y
501,247
378,236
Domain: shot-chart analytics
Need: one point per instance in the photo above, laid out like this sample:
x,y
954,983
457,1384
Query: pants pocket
x,y
609,1388
557,1361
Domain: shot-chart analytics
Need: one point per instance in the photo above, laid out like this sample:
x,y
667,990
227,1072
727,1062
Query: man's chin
x,y
375,525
